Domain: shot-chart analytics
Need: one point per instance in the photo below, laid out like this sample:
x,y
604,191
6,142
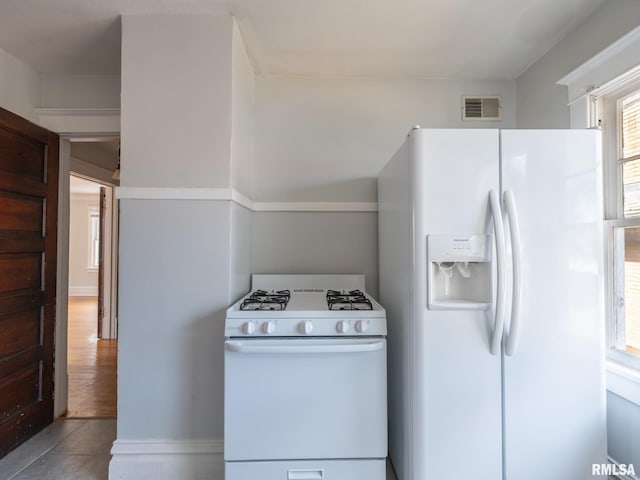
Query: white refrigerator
x,y
491,272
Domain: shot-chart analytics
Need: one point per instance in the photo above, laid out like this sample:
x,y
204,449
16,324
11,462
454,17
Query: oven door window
x,y
305,398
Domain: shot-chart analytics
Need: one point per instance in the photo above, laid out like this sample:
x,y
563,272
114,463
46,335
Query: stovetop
x,y
263,300
306,305
305,302
348,300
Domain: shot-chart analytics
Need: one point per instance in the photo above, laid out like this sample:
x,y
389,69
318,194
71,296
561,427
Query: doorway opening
x,y
92,286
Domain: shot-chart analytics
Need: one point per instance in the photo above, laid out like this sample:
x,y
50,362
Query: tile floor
x,y
69,450
65,450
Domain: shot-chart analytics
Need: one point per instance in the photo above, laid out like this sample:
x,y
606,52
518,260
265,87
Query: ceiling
x,y
82,186
380,38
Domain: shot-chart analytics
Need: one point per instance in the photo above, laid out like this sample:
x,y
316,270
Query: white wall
x,y
325,140
80,91
82,282
176,107
543,104
242,132
19,86
242,116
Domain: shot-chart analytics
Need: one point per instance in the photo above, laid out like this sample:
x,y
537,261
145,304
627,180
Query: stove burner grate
x,y
351,300
263,300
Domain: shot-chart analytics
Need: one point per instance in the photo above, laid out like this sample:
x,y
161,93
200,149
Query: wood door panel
x,y
19,302
23,390
103,211
19,362
21,242
20,332
20,212
21,156
28,269
21,271
26,185
17,428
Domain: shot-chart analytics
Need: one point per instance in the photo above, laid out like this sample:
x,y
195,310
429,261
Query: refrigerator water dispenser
x,y
459,271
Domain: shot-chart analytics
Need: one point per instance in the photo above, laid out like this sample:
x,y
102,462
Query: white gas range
x,y
305,380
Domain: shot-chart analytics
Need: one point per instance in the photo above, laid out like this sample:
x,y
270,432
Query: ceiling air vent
x,y
480,108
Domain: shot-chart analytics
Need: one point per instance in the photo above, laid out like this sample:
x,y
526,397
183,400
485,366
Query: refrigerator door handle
x,y
516,252
501,299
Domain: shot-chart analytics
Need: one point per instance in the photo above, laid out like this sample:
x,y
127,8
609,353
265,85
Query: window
x,y
620,115
94,238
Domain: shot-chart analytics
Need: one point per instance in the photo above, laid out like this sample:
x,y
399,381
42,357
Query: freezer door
x,y
554,410
454,382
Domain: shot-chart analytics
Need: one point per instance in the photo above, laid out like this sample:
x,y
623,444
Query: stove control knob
x,y
249,328
268,327
342,326
362,326
305,327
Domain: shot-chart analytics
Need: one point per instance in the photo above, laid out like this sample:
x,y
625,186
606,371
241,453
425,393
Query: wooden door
x,y
101,232
28,227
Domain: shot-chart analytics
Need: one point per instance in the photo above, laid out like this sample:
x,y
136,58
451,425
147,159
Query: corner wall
x,y
19,87
175,244
242,133
541,103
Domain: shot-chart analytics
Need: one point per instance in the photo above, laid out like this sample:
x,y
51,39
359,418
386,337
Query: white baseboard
x,y
83,291
623,477
167,460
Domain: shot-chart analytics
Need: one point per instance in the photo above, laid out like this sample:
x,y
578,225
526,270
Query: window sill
x,y
623,381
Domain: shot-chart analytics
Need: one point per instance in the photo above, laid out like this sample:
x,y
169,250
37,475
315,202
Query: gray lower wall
x,y
241,260
317,242
174,289
174,293
623,436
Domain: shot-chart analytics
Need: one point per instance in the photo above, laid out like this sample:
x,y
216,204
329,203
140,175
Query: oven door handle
x,y
279,348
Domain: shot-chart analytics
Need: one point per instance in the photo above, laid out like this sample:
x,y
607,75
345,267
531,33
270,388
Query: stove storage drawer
x,y
369,469
301,399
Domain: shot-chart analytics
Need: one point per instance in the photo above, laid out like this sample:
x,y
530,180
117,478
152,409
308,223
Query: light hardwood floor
x,y
92,364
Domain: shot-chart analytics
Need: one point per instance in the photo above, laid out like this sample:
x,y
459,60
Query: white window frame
x,y
92,251
607,107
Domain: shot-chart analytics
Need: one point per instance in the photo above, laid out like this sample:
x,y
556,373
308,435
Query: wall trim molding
x,y
79,121
160,459
619,58
623,381
230,194
315,207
